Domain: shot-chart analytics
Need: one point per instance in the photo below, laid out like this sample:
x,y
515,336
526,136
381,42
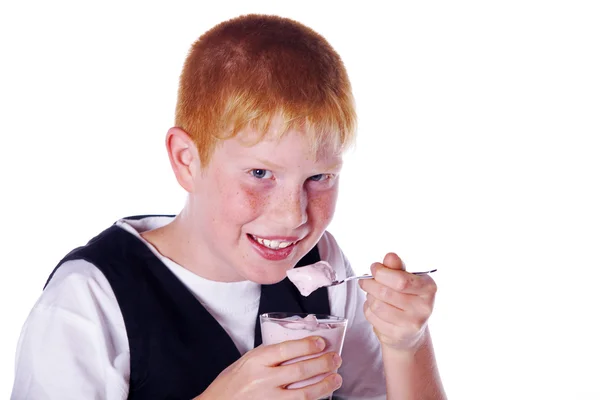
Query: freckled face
x,y
258,210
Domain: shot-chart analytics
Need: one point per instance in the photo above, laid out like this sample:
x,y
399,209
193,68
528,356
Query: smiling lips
x,y
273,249
274,244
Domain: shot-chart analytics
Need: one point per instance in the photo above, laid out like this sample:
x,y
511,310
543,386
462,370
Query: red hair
x,y
250,69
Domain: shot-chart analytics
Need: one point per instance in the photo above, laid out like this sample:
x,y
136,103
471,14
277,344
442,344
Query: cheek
x,y
242,203
251,200
321,207
231,200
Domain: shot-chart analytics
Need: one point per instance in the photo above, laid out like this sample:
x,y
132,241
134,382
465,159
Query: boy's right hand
x,y
259,375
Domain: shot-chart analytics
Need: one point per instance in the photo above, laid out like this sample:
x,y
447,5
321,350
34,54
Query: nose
x,y
289,208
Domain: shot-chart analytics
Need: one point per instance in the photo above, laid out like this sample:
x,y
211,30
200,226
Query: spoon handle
x,y
366,276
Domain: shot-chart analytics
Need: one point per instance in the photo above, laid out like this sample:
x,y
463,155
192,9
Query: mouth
x,y
274,248
274,244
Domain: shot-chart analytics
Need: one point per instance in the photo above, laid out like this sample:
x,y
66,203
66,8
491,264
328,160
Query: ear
x,y
183,156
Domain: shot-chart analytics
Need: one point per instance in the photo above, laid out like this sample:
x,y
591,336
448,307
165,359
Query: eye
x,y
261,174
320,177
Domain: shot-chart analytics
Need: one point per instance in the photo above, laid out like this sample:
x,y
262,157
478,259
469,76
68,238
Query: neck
x,y
180,243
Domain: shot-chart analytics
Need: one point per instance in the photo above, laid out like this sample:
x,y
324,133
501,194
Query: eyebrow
x,y
333,166
276,166
269,164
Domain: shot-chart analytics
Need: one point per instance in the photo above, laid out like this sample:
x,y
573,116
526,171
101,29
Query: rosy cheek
x,y
251,200
237,203
322,207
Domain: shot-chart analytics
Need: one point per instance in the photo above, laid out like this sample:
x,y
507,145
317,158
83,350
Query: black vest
x,y
176,347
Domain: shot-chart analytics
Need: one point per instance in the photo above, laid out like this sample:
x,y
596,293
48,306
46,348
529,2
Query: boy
x,y
159,307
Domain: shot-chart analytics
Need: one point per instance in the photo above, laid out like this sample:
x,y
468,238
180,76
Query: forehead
x,y
292,145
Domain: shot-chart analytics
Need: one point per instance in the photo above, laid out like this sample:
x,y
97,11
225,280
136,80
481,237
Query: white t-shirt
x,y
74,343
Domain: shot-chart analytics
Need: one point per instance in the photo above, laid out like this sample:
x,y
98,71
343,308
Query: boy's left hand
x,y
398,304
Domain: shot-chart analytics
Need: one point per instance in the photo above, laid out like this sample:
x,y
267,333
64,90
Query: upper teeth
x,y
273,244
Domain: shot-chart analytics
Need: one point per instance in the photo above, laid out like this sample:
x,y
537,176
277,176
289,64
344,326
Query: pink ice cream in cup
x,y
281,327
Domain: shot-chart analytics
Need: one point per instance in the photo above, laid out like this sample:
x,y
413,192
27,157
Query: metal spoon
x,y
334,283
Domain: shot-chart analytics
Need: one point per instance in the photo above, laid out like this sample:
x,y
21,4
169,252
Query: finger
x,y
383,293
416,311
275,354
391,334
400,300
402,281
391,260
379,325
306,369
315,391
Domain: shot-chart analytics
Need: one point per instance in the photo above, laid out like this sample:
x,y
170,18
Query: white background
x,y
478,155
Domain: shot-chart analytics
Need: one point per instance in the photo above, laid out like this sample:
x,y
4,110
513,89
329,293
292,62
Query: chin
x,y
267,281
266,276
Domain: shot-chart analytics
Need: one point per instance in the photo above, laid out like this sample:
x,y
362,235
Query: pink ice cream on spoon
x,y
311,277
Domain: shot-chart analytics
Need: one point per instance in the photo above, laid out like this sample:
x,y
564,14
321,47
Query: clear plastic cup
x,y
283,326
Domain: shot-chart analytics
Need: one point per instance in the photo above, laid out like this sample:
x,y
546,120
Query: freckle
x,y
253,199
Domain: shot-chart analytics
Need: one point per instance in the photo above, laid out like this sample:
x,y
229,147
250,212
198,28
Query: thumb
x,y
391,260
